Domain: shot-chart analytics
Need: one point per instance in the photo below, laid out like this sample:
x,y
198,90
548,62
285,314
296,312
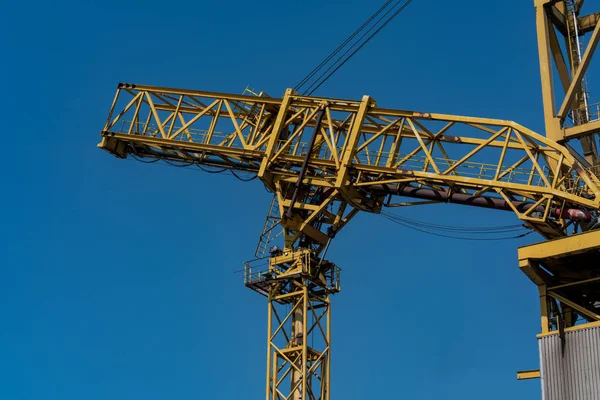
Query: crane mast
x,y
327,159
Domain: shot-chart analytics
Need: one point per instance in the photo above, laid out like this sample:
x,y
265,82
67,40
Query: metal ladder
x,y
268,235
581,115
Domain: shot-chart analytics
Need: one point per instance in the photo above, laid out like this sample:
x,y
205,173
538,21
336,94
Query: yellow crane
x,y
327,159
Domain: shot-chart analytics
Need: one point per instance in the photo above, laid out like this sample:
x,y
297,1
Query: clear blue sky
x,y
117,277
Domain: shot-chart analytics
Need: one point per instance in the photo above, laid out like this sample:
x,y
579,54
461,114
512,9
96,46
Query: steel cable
x,y
340,47
320,80
457,228
455,237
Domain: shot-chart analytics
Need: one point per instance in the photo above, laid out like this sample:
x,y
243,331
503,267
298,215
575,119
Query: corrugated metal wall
x,y
576,376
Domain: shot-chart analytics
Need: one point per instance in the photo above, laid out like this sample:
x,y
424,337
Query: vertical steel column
x,y
269,330
544,25
298,335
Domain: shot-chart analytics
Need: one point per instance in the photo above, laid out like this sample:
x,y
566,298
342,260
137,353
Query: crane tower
x,y
327,159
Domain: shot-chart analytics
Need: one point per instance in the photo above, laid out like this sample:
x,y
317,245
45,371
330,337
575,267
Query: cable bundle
x,y
435,229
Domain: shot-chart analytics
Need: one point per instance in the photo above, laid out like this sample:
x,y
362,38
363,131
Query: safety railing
x,y
256,270
189,134
586,114
469,169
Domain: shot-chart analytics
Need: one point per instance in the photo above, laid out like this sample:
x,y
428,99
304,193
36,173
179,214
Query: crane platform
x,y
322,277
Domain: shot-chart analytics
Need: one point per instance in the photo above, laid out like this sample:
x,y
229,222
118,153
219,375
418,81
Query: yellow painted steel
x,y
575,119
298,286
566,273
327,159
361,152
533,374
571,329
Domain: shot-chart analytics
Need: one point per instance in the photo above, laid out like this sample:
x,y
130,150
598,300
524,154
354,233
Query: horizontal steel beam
x,y
580,131
532,374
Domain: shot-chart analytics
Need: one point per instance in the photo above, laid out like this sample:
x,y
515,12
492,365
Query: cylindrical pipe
x,y
572,214
298,329
479,201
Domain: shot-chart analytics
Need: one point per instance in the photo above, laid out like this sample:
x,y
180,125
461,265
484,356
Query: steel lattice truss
x,y
297,365
327,159
360,155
